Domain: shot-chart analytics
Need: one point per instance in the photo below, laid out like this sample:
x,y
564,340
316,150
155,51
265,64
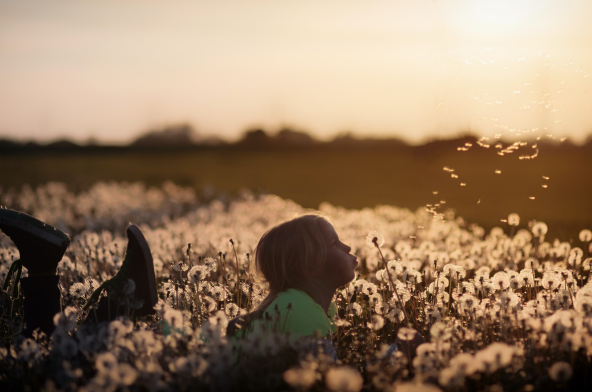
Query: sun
x,y
498,18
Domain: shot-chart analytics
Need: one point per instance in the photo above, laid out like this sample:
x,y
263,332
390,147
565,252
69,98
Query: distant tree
x,y
62,144
287,136
255,137
170,136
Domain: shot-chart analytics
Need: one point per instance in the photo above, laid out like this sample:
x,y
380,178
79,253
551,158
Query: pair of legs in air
x,y
41,248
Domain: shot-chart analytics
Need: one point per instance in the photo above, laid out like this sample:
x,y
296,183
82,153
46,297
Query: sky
x,y
414,69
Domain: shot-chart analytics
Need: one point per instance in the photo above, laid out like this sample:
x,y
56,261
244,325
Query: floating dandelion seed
x,y
463,184
435,192
544,185
531,197
498,172
453,175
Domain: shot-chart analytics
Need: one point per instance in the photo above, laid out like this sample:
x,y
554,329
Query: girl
x,y
304,262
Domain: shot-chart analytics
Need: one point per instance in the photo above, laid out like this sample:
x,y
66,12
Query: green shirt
x,y
299,315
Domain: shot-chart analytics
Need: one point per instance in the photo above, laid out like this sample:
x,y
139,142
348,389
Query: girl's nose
x,y
347,248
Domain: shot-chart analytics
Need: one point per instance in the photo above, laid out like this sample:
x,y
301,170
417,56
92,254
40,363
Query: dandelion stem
x,y
437,286
569,290
238,294
375,242
287,314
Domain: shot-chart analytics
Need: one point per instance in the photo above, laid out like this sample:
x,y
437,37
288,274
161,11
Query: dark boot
x,y
41,247
137,266
41,303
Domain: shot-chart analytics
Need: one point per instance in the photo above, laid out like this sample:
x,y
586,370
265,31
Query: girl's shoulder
x,y
299,314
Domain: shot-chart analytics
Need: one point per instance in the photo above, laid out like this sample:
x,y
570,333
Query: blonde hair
x,y
287,253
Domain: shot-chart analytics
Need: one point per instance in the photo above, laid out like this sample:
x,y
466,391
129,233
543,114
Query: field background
x,y
352,177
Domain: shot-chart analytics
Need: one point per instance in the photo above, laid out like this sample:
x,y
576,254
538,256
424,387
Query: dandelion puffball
x,y
344,379
374,239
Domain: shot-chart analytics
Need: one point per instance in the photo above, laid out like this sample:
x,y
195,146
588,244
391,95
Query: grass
x,y
354,178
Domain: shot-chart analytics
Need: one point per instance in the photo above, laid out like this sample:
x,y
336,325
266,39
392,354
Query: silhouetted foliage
x,y
181,135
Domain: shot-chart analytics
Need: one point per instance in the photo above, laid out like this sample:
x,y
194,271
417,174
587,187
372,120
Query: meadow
x,y
554,187
507,308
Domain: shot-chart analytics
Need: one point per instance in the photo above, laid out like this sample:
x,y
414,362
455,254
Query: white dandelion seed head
x,y
585,235
550,281
174,318
500,281
369,289
575,256
413,386
209,303
66,321
374,239
376,323
180,266
396,315
105,362
406,333
539,229
232,310
123,374
513,219
300,378
344,379
356,309
451,377
210,263
78,290
198,273
560,372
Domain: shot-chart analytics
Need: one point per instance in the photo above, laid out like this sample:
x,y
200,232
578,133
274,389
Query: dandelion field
x,y
503,309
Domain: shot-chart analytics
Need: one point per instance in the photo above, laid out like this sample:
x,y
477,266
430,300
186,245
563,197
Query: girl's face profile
x,y
338,268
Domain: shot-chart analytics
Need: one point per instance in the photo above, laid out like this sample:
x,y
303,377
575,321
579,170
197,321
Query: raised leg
x,y
41,247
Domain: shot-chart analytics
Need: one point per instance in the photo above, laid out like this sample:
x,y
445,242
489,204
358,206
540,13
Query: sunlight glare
x,y
496,18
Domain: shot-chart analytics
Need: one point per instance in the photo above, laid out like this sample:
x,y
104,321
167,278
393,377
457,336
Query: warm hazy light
x,y
412,69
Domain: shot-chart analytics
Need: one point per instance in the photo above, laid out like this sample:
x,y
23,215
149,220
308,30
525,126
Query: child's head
x,y
303,250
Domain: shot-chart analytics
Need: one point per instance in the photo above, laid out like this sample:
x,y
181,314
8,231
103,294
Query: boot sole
x,y
26,223
146,270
